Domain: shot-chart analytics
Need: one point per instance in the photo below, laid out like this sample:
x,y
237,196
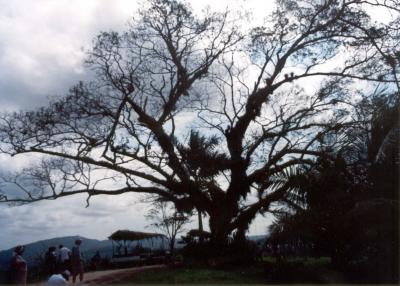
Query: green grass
x,y
321,261
199,276
309,261
255,274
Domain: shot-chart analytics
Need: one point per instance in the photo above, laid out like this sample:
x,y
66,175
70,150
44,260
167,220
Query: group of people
x,y
64,263
60,265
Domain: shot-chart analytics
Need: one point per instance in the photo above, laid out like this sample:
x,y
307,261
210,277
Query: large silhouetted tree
x,y
255,100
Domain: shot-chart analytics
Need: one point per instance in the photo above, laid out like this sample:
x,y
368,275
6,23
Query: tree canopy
x,y
204,111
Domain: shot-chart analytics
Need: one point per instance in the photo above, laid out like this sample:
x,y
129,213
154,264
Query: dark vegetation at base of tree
x,y
347,206
216,255
292,269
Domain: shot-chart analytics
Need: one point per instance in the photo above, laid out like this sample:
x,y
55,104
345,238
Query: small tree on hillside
x,y
168,220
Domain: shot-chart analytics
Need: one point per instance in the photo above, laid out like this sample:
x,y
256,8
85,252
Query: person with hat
x,y
59,279
19,267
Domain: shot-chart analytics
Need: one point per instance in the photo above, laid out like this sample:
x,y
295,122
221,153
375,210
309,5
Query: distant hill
x,y
257,237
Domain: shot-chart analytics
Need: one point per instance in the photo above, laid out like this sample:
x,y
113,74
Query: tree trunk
x,y
240,235
225,218
172,245
200,218
220,228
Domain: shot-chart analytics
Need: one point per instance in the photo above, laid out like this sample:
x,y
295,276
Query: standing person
x,y
18,266
77,261
51,260
64,256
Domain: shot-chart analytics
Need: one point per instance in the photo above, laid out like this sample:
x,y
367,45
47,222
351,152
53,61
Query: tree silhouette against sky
x,y
249,102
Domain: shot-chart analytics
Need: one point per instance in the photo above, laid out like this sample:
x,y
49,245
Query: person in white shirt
x,y
59,279
64,255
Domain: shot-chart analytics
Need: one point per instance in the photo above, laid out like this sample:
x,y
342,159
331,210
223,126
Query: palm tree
x,y
203,161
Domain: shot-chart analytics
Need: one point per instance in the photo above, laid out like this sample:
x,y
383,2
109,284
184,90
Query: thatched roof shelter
x,y
133,235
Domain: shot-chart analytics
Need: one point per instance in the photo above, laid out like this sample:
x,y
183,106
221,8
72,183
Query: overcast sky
x,y
42,48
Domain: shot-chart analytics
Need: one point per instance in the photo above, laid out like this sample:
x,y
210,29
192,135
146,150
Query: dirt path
x,y
106,277
114,276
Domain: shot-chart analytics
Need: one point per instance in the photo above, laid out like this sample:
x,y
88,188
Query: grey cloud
x,y
18,93
96,213
42,45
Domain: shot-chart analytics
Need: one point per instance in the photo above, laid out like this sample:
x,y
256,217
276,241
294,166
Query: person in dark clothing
x,y
76,261
51,260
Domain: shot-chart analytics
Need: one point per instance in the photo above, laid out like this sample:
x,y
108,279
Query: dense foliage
x,y
351,199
